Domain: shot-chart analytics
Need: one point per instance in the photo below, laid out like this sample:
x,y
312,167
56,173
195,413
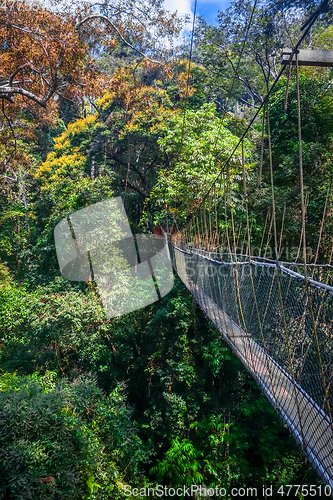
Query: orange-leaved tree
x,y
41,56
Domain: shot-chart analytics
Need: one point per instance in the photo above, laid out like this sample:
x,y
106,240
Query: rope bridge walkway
x,y
276,315
242,300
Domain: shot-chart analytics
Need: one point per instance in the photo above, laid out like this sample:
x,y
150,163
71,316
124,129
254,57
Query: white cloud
x,y
181,6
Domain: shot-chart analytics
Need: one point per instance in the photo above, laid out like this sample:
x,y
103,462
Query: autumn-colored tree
x,y
43,51
47,60
121,139
41,57
139,28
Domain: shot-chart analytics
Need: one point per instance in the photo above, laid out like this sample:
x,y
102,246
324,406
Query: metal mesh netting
x,y
266,313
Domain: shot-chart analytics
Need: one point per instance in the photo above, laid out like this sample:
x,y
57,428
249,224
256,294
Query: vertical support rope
x,y
284,321
246,203
307,284
281,233
288,85
232,217
301,169
264,231
227,230
216,222
235,270
262,145
322,222
272,183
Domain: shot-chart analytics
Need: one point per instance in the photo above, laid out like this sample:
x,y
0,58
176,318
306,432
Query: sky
x,y
207,9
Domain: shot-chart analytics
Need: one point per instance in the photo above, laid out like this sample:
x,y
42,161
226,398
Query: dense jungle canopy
x,y
98,101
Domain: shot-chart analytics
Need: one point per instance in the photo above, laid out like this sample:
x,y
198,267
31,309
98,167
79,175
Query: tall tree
x,y
242,53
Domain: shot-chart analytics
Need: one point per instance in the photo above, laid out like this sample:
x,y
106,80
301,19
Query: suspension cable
x,y
294,51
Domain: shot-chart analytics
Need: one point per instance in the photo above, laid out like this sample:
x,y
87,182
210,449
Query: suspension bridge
x,y
276,315
262,310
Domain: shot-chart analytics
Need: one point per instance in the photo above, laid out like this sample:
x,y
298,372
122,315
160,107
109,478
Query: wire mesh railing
x,y
267,313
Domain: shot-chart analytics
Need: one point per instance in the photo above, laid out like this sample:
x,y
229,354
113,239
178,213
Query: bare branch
x,y
12,131
245,81
11,78
135,188
249,104
7,93
106,19
29,32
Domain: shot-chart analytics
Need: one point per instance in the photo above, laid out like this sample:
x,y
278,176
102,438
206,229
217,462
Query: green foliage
x,y
61,439
180,464
197,145
317,132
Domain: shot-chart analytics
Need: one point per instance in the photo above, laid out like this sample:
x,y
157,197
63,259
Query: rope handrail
x,y
312,282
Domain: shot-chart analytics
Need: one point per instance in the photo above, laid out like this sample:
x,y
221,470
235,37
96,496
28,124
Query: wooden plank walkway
x,y
306,420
